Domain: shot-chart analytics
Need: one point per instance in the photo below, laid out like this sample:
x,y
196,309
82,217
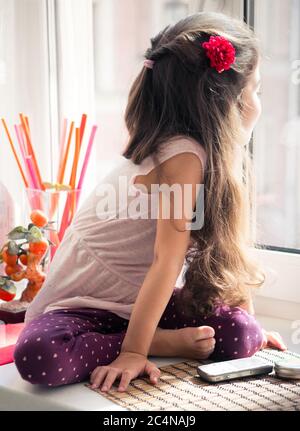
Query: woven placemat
x,y
180,388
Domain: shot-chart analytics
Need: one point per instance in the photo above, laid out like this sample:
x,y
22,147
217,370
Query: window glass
x,y
277,134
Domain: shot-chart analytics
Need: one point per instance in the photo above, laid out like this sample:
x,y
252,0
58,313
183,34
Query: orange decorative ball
x,y
9,269
38,218
24,259
10,259
38,248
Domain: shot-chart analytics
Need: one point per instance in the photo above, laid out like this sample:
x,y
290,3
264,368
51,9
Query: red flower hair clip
x,y
221,53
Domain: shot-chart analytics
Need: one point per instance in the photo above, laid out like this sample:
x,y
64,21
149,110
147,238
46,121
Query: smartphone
x,y
234,369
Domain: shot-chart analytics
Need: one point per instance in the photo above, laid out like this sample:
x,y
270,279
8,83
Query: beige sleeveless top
x,y
102,262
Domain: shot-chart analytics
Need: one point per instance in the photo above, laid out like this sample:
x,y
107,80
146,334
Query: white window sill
x,y
282,275
285,329
279,297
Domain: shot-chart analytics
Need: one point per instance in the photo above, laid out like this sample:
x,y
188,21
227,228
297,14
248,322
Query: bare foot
x,y
191,342
196,342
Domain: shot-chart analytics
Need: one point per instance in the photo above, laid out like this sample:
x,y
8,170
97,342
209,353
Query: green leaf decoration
x,y
18,232
34,235
30,226
2,281
12,248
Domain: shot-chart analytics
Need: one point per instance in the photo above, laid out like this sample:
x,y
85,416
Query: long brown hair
x,y
182,95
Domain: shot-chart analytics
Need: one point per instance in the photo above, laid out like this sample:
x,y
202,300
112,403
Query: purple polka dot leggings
x,y
64,346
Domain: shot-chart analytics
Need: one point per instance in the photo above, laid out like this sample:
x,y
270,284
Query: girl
x,y
109,299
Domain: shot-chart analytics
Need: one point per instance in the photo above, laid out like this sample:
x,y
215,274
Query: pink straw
x,y
21,133
18,130
83,171
87,157
34,200
31,169
65,217
22,148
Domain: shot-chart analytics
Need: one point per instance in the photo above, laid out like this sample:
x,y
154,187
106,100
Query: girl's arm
x,y
171,244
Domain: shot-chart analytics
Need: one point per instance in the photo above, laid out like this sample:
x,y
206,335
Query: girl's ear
x,y
240,95
240,101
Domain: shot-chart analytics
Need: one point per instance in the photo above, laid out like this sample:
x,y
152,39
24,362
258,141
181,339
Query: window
x,y
276,154
276,136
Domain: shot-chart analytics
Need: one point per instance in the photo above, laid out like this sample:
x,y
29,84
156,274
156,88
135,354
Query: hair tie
x,y
149,63
221,53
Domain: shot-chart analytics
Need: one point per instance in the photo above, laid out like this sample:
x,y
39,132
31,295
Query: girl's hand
x,y
274,340
127,365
